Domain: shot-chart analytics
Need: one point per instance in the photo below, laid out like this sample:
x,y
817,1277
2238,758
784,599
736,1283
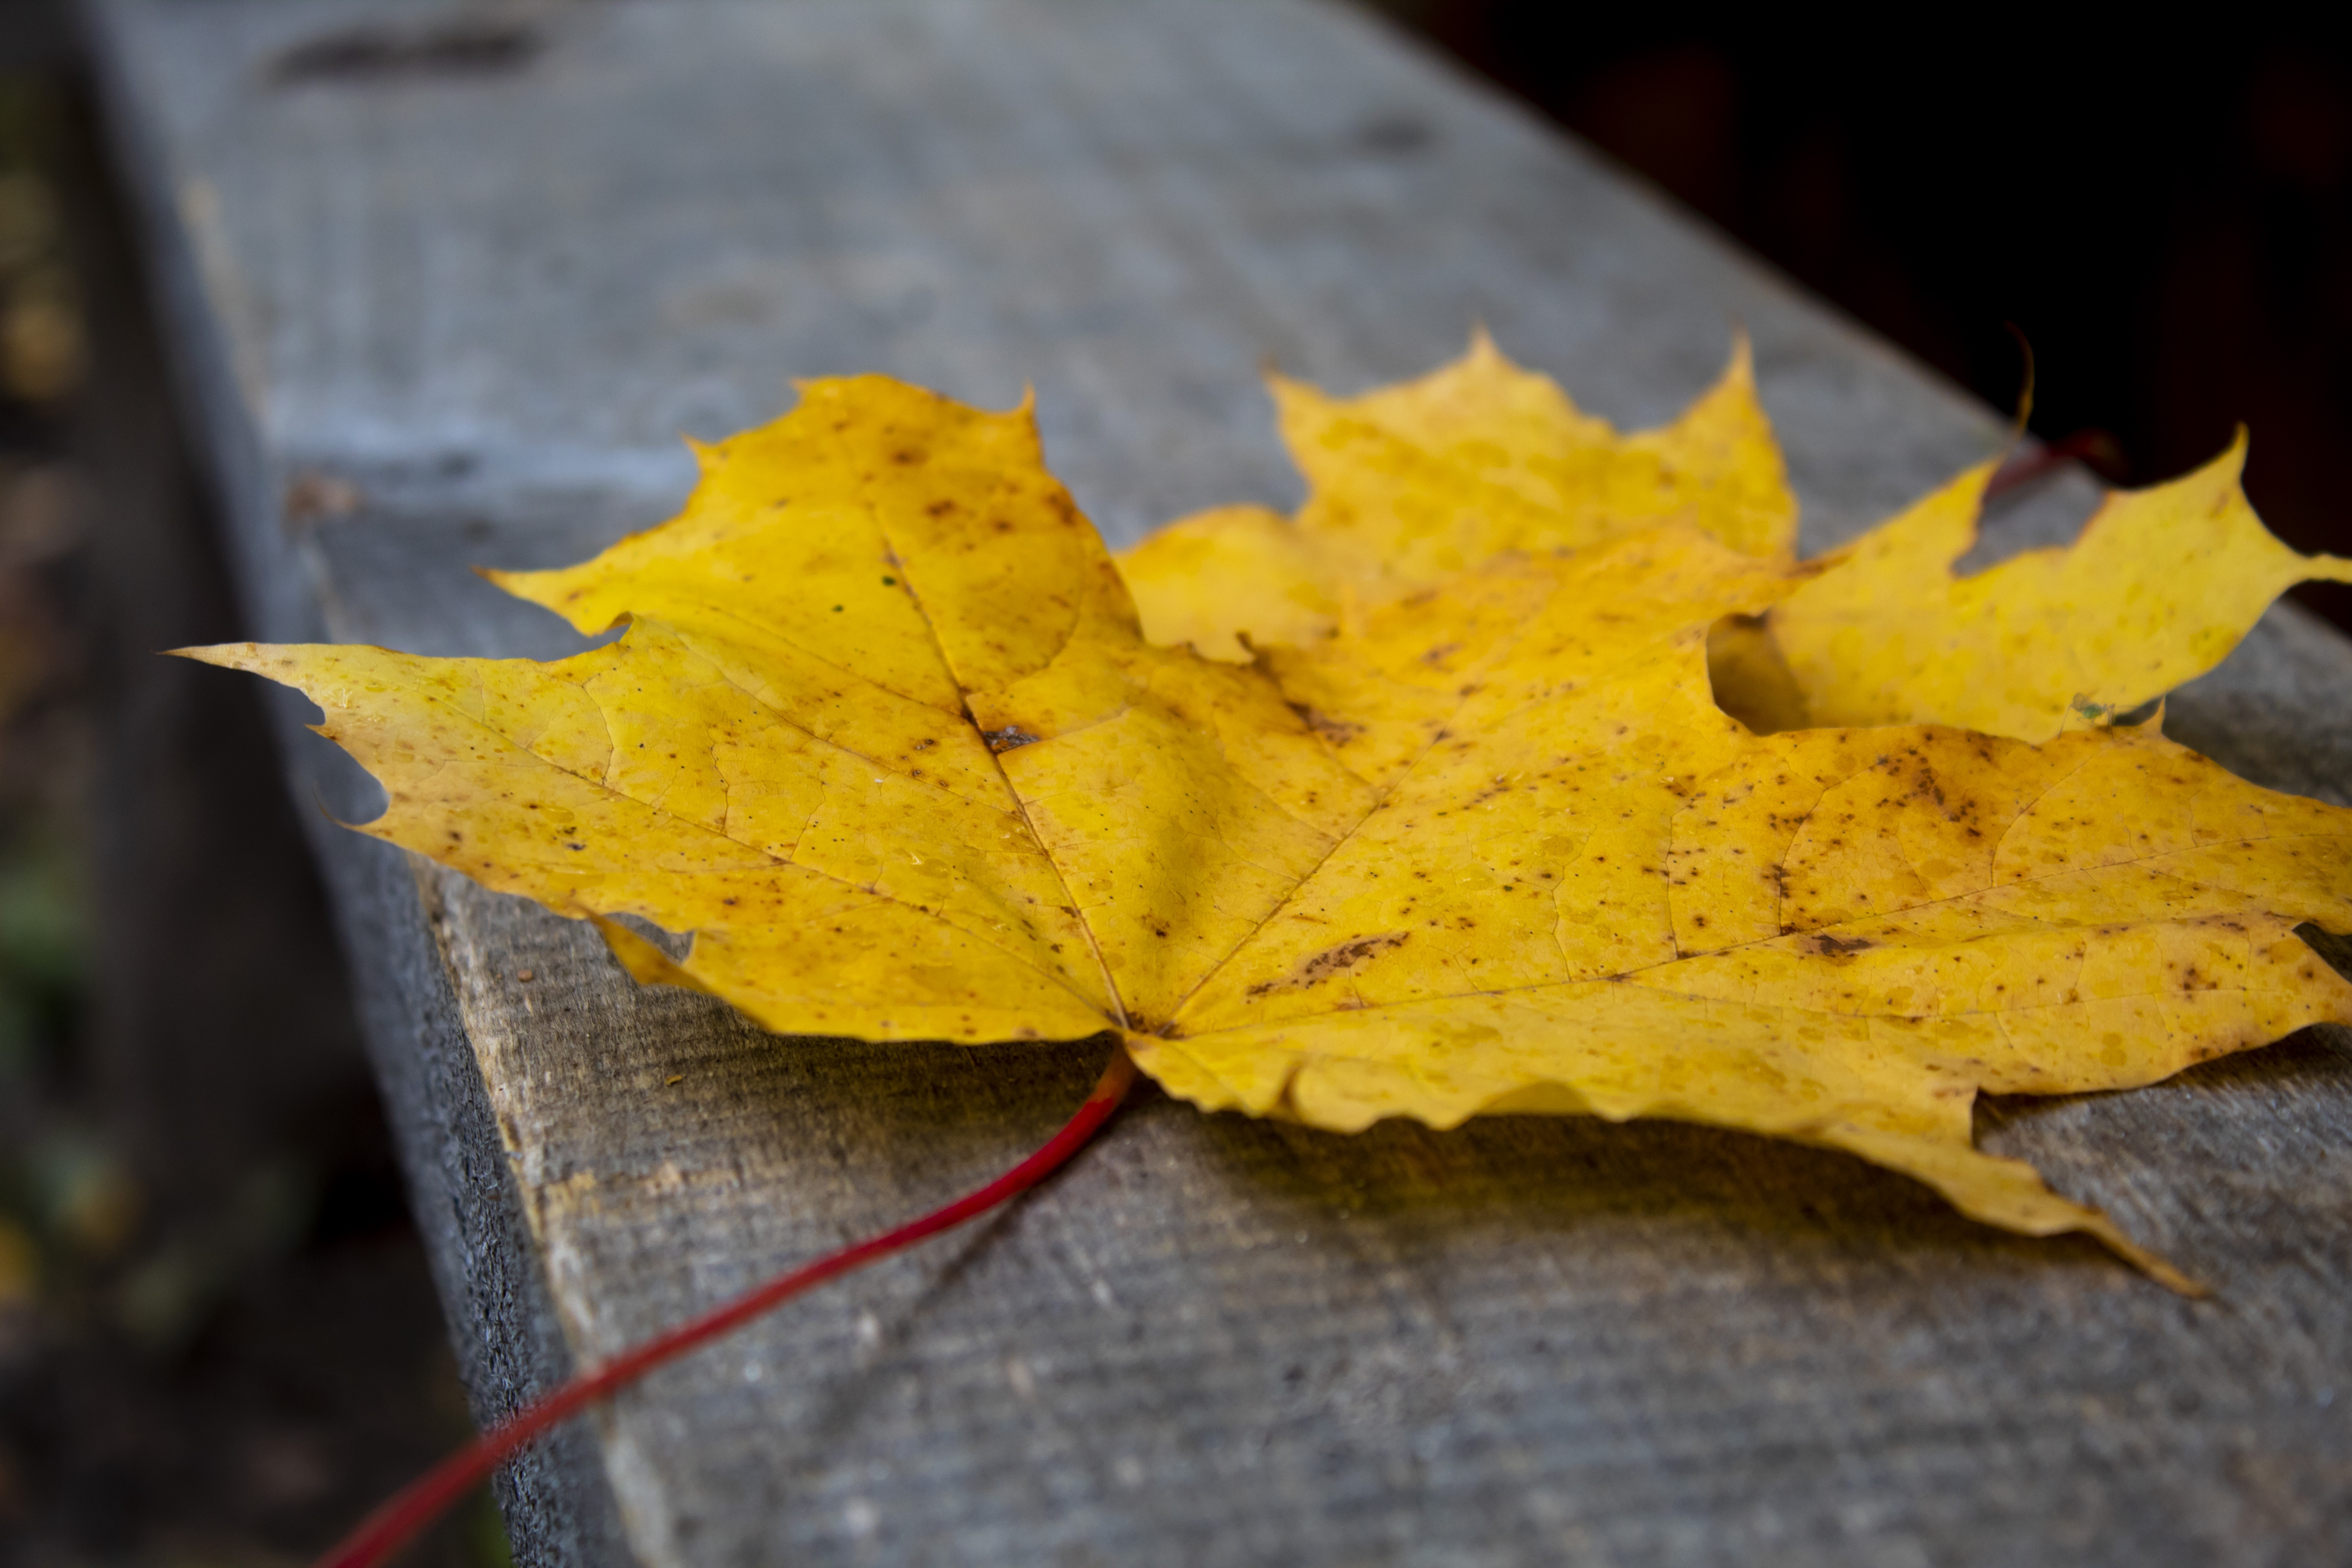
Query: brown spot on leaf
x,y
1337,731
1828,946
1348,956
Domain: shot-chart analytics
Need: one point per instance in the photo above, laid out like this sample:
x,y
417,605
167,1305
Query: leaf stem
x,y
397,1521
2094,447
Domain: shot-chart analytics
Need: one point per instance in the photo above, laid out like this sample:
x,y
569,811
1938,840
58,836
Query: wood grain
x,y
487,299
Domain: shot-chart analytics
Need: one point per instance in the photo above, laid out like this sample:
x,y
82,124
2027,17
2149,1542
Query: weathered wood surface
x,y
488,291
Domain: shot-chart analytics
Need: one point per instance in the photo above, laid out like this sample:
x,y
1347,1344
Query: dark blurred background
x,y
218,1342
2163,210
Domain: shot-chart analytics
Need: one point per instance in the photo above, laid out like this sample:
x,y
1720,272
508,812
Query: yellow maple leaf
x,y
1410,484
886,735
2162,584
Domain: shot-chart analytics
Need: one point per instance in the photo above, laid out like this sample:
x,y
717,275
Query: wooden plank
x,y
489,298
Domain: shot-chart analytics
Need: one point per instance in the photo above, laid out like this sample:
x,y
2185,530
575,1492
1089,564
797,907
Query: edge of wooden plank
x,y
485,1263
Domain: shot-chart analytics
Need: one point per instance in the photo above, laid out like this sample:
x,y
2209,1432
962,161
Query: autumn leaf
x,y
1410,484
886,734
2162,584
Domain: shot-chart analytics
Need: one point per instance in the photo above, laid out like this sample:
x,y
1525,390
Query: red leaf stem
x,y
424,1500
2095,448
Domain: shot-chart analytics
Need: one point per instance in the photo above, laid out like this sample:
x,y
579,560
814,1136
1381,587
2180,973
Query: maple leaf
x,y
1410,484
2162,585
886,734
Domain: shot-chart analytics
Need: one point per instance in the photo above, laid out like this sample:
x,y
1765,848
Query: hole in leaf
x,y
1752,682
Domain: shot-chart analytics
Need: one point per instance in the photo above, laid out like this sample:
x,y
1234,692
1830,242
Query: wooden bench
x,y
448,283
